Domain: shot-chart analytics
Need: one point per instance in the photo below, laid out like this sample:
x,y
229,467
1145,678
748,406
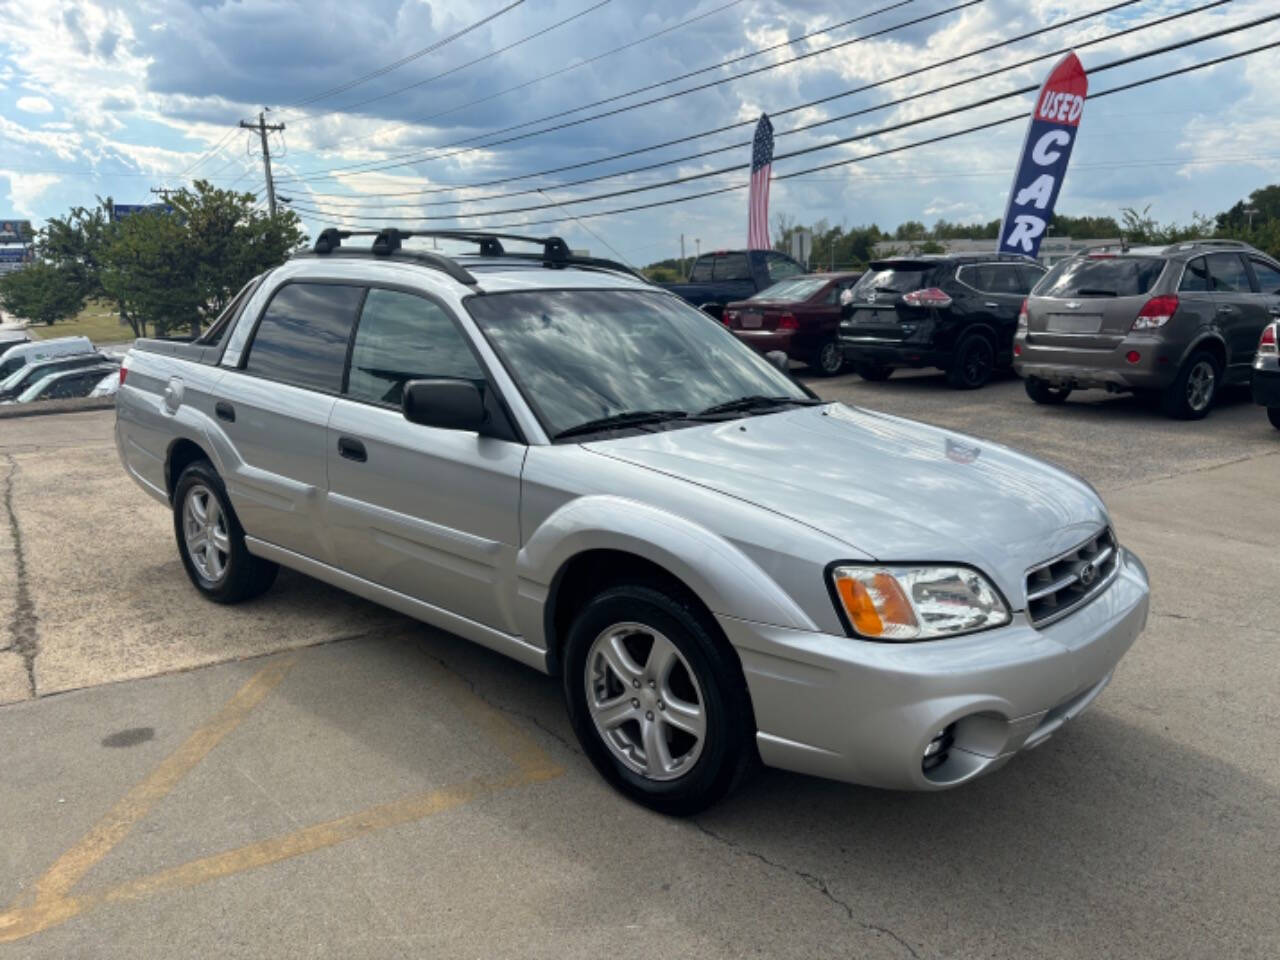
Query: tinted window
x,y
1029,276
701,272
781,267
1000,278
1228,273
302,337
1195,277
1268,276
1095,276
732,266
799,289
402,337
583,354
226,318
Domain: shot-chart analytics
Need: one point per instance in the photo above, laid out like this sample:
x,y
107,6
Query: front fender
x,y
723,577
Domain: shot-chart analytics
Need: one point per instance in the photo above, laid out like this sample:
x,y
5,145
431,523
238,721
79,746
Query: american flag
x,y
758,203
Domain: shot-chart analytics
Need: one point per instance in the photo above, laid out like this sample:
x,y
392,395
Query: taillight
x,y
787,321
1156,312
730,315
1022,315
124,372
928,297
1267,343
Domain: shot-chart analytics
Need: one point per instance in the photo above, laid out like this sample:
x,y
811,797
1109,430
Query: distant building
x,y
1052,249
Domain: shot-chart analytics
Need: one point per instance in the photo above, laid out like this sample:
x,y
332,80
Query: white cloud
x,y
34,105
25,189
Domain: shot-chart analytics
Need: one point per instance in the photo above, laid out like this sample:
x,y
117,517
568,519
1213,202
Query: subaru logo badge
x,y
1088,574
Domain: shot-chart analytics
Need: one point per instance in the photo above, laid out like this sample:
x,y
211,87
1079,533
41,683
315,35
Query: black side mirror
x,y
447,404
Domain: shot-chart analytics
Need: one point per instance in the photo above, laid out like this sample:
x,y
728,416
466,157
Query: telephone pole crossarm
x,y
262,128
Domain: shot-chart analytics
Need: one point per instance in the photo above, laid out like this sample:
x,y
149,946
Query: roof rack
x,y
555,252
1193,244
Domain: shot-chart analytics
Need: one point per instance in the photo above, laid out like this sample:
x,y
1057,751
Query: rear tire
x,y
1273,414
875,372
639,724
972,363
1191,395
211,540
1042,391
829,360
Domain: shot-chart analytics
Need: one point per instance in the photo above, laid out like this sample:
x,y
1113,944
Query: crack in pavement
x,y
22,625
813,880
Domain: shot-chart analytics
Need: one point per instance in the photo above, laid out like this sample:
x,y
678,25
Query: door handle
x,y
352,449
225,411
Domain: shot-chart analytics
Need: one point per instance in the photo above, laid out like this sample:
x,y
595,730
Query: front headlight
x,y
901,604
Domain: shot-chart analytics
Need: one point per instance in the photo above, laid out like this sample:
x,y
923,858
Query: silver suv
x,y
553,458
1177,322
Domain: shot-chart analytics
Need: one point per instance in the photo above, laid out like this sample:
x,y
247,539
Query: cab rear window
x,y
1101,277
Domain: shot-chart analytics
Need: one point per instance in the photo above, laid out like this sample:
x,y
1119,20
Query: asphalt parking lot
x,y
310,775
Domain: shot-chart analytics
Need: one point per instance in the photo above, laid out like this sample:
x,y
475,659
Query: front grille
x,y
1069,581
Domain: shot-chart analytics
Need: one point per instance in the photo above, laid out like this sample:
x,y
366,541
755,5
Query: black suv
x,y
958,312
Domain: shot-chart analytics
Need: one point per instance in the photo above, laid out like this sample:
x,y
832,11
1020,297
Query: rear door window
x,y
732,266
1268,276
1102,277
302,336
1228,273
1195,277
403,337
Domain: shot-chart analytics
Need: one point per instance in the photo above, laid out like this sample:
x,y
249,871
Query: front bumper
x,y
1081,368
863,712
1266,381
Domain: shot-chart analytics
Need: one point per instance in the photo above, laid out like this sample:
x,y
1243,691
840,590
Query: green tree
x,y
147,270
75,243
42,292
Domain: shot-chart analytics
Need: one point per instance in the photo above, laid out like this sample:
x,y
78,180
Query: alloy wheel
x,y
977,362
830,359
645,701
204,528
1200,385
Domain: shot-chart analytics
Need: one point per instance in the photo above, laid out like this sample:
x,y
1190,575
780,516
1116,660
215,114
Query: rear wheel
x,y
1193,390
657,700
875,372
972,363
1042,391
829,360
211,540
1273,414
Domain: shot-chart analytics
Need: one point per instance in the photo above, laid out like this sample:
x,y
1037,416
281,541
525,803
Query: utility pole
x,y
682,253
263,128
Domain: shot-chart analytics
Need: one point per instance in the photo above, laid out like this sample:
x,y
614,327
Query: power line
x,y
379,165
901,125
991,124
347,108
430,48
803,106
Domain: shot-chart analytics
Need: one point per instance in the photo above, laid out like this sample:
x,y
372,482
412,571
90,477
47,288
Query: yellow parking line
x,y
54,904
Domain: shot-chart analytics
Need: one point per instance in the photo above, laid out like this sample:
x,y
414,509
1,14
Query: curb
x,y
45,407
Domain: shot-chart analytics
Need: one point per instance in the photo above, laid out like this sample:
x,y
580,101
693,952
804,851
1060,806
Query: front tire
x,y
1194,389
972,363
872,371
829,360
211,540
1042,391
657,699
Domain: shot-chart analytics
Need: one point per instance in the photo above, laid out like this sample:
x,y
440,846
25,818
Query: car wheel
x,y
211,540
875,372
1273,414
1042,391
657,699
1192,392
972,363
829,360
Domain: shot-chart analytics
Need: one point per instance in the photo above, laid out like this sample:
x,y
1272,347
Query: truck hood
x,y
890,488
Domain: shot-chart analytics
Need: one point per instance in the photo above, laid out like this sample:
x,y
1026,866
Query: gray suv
x,y
1177,322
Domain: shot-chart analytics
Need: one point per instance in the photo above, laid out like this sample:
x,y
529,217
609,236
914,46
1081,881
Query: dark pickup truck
x,y
728,275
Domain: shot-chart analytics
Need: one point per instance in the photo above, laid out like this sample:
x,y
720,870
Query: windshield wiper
x,y
629,418
754,402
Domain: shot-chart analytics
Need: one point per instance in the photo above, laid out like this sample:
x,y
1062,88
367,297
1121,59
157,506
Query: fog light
x,y
1133,356
935,753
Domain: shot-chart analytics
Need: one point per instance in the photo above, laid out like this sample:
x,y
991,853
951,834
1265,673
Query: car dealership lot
x,y
334,779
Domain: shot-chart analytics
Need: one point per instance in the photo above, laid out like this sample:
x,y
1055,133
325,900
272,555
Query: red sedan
x,y
799,316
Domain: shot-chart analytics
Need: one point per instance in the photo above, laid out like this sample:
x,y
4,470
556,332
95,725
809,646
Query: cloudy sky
x,y
390,106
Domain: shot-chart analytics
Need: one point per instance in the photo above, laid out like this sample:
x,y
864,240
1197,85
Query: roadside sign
x,y
15,231
121,210
13,254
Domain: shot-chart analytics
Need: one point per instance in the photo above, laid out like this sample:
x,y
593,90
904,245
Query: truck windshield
x,y
1100,277
583,355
